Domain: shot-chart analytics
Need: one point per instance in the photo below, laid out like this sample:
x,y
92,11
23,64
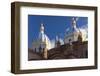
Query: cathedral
x,y
43,43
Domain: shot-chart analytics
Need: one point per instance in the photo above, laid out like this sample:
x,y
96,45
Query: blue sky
x,y
54,25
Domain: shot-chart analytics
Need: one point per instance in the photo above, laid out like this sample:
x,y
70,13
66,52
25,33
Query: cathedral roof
x,y
71,30
43,37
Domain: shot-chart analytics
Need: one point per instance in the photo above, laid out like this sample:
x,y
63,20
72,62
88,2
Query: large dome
x,y
73,33
71,30
43,38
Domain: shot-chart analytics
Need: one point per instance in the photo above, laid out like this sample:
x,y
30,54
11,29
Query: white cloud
x,y
84,30
61,41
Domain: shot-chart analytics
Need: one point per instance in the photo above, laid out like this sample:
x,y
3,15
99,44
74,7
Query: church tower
x,y
45,51
44,41
42,44
57,42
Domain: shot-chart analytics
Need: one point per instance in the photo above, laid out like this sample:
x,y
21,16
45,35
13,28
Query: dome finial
x,y
42,27
73,22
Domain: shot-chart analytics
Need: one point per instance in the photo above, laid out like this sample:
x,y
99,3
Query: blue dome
x,y
71,30
42,37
